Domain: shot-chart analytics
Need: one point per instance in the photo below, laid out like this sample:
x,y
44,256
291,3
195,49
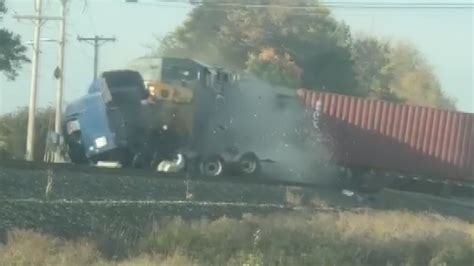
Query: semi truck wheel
x,y
212,166
249,164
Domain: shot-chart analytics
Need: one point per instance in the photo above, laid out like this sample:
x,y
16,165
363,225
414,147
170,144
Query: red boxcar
x,y
398,137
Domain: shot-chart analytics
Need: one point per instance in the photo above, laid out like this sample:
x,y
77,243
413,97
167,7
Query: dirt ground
x,y
388,199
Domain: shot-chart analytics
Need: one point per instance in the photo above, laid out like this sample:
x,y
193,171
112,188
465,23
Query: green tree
x,y
12,52
276,69
397,73
13,131
371,59
316,42
414,79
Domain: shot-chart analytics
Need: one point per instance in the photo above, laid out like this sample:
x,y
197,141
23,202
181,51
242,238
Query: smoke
x,y
272,122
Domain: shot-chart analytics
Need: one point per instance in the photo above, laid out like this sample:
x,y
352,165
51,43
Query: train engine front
x,y
185,103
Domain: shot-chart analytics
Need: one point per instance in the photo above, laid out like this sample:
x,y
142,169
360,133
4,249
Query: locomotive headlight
x,y
100,142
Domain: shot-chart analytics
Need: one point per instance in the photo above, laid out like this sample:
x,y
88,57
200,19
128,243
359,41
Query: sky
x,y
445,38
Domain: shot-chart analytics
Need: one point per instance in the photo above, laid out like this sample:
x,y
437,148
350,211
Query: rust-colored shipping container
x,y
397,137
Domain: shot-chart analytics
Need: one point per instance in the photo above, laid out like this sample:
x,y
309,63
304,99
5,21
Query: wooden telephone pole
x,y
96,41
38,20
59,74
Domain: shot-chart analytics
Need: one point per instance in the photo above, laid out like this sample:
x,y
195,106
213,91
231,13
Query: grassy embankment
x,y
343,238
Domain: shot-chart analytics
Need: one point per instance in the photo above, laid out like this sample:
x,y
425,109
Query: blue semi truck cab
x,y
106,124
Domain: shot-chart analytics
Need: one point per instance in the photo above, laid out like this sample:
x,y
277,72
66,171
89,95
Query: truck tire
x,y
249,164
212,166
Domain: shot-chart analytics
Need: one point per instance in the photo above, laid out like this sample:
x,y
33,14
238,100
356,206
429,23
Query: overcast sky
x,y
445,38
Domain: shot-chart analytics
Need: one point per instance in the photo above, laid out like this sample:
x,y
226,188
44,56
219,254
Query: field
x,y
88,219
289,238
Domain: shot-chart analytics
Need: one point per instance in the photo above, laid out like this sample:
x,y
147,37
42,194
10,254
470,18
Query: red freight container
x,y
398,137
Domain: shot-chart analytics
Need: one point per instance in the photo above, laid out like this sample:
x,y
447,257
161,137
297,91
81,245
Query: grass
x,y
343,238
293,196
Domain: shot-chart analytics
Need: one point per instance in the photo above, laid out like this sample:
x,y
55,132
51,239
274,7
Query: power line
x,y
331,4
292,5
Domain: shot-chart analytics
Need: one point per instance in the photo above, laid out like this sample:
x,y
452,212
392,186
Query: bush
x,y
343,238
25,247
13,130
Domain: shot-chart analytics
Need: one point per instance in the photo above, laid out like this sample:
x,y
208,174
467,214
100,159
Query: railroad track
x,y
401,183
154,202
144,173
275,206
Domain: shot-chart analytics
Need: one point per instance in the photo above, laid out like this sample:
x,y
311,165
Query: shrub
x,y
292,238
25,247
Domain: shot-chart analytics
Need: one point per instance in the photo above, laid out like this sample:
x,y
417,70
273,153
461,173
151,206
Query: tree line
x,y
13,132
305,47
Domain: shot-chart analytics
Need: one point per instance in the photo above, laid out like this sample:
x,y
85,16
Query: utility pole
x,y
60,78
38,19
96,41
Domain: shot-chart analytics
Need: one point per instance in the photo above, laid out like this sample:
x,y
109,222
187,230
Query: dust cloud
x,y
272,122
